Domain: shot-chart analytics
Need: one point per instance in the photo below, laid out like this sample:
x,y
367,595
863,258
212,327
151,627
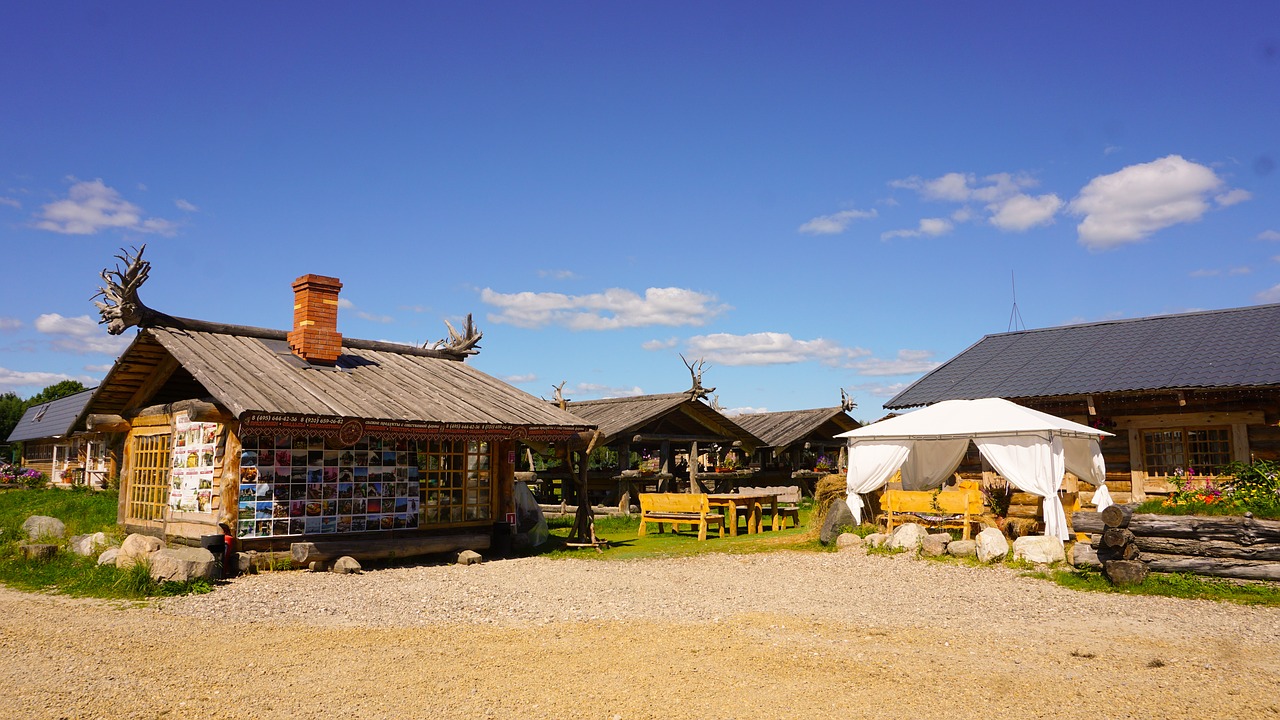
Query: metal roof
x,y
252,370
619,417
51,419
782,429
1237,347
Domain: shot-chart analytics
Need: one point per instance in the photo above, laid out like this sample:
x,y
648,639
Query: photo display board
x,y
191,477
296,485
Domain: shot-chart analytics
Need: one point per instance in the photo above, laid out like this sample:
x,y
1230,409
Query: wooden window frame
x,y
1187,441
150,460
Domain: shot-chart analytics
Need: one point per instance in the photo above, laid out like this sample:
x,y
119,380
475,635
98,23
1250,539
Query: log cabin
x,y
798,441
308,438
1187,391
51,444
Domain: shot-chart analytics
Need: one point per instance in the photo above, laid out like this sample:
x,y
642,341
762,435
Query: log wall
x,y
1230,546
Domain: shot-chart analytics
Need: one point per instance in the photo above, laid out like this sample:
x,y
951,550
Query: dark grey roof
x,y
51,419
781,429
250,370
1237,347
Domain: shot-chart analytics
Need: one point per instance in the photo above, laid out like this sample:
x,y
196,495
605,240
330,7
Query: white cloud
x,y
595,391
345,304
91,206
371,317
521,379
9,323
1233,197
745,410
609,310
11,202
1241,270
1271,295
834,223
880,390
1130,204
964,214
185,206
1269,235
80,335
12,380
908,362
410,308
964,187
1022,212
932,227
98,369
557,274
652,345
1111,149
770,348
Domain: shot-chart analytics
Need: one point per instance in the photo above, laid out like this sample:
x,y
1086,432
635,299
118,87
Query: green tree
x,y
11,409
55,391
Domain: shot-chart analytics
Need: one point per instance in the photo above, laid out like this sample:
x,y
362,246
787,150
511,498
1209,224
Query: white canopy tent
x,y
1030,449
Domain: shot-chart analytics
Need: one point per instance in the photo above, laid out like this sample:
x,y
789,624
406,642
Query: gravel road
x,y
779,635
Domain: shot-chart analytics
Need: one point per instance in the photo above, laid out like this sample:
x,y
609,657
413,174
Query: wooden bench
x,y
958,508
678,509
788,502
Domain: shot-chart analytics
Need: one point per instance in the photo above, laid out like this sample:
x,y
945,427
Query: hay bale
x,y
829,489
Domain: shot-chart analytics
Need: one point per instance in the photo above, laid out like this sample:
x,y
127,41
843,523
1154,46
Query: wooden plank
x,y
1240,442
1216,567
1168,420
1137,465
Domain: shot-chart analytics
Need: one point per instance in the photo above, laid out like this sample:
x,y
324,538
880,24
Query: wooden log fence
x,y
1218,546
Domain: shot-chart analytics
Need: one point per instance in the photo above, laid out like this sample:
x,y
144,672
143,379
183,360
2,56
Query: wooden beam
x,y
97,422
1166,420
305,553
163,371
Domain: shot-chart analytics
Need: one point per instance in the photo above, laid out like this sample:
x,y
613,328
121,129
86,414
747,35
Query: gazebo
x,y
1029,448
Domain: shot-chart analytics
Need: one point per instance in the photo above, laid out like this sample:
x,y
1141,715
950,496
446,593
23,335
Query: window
x,y
297,485
149,486
1202,449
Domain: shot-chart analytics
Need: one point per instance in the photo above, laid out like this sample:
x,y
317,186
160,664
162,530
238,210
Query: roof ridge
x,y
1145,318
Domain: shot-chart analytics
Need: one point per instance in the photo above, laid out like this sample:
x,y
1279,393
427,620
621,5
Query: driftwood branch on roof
x,y
120,307
459,345
847,403
698,392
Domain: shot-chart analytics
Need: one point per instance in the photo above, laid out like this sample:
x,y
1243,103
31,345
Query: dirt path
x,y
773,636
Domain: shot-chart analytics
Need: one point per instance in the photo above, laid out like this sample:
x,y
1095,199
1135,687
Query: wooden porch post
x,y
693,466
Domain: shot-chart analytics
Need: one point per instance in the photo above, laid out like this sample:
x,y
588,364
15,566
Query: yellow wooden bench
x,y
678,509
957,508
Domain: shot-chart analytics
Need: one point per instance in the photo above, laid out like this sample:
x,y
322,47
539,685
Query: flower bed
x,y
1239,488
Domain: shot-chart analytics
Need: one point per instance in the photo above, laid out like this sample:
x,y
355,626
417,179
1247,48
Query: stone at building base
x,y
1039,549
962,548
875,540
38,551
42,527
469,557
992,545
89,545
183,564
346,565
108,556
1125,572
135,548
848,540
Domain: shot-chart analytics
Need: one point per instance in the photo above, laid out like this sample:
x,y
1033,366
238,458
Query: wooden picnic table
x,y
753,502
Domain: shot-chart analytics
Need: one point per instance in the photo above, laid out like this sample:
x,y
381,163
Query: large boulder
x,y
469,557
137,547
935,544
875,540
1083,555
346,565
962,548
907,537
838,516
89,545
181,564
108,556
1039,549
991,545
43,527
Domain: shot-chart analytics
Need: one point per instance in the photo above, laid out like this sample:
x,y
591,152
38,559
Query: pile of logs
x,y
1220,546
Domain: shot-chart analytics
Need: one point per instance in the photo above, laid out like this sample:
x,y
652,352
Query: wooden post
x,y
624,485
1137,467
665,452
693,466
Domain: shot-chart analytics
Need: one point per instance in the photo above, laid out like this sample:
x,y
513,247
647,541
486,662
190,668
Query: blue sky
x,y
808,195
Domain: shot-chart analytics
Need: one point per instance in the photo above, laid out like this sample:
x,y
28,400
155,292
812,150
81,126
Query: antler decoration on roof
x,y
695,370
460,345
120,307
846,401
559,396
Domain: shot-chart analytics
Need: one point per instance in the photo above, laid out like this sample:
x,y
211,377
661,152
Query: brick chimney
x,y
315,336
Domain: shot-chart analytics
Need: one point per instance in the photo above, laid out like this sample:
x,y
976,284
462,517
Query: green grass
x,y
1177,585
83,512
622,532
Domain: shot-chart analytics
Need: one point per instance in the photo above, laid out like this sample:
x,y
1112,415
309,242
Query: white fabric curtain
x,y
1033,465
931,462
871,464
1084,458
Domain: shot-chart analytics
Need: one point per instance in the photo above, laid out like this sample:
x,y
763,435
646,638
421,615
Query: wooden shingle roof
x,y
622,417
782,429
1233,348
252,370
